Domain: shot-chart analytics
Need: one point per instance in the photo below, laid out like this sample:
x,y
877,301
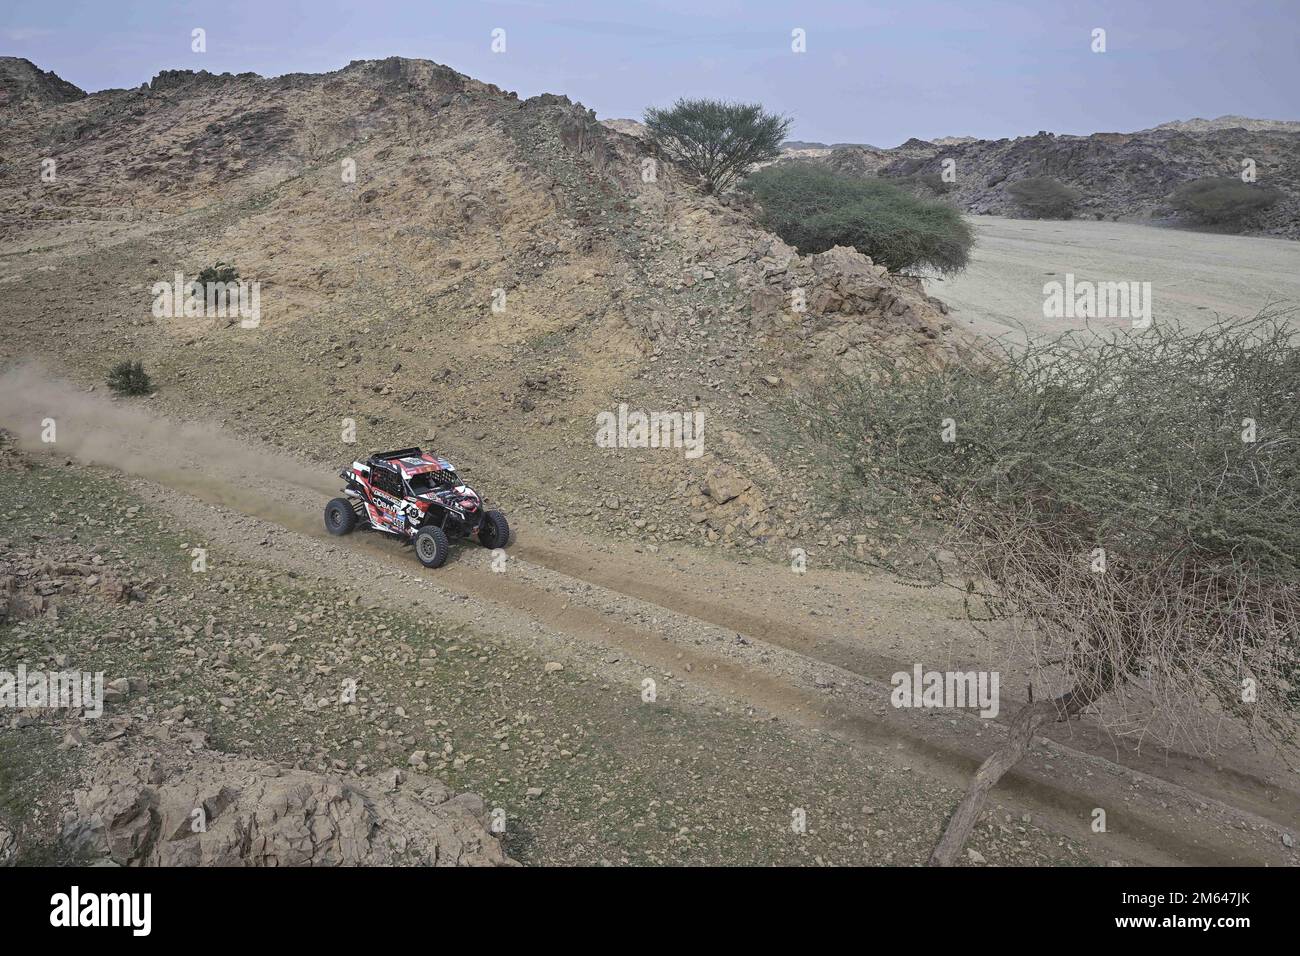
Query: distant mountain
x,y
628,127
1199,125
799,144
790,149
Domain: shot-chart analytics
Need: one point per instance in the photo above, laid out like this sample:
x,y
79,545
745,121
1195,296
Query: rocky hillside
x,y
439,261
1127,176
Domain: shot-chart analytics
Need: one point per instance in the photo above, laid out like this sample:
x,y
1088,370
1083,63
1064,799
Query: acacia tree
x,y
718,141
1131,502
1045,198
1222,200
814,209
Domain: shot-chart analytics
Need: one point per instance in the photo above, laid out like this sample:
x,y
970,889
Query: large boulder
x,y
168,806
723,486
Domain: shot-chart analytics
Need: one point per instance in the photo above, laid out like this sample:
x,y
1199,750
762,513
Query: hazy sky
x,y
874,71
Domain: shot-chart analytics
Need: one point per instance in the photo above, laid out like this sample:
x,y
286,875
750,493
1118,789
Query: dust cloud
x,y
192,457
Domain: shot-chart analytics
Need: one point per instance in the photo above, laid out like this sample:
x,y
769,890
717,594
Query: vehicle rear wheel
x,y
431,547
494,532
339,516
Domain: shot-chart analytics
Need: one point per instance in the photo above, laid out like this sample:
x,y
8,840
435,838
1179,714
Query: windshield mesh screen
x,y
434,479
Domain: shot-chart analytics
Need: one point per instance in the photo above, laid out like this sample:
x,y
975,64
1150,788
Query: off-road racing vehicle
x,y
417,497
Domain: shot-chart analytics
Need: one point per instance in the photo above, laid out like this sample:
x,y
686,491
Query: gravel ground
x,y
252,655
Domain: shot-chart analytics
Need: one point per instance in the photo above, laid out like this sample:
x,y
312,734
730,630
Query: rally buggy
x,y
417,497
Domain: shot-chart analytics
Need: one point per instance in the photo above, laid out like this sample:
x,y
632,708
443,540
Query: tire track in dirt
x,y
1247,791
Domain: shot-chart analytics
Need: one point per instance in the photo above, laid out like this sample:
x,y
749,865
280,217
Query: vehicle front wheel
x,y
431,547
339,516
494,532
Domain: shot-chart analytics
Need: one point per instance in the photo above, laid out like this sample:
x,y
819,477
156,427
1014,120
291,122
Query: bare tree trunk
x,y
1020,735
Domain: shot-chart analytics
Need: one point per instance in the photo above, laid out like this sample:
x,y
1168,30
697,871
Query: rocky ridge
x,y
22,83
1121,176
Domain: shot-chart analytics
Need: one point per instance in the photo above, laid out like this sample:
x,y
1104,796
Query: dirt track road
x,y
1194,276
813,650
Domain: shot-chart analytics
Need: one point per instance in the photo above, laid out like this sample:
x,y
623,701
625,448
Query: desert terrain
x,y
520,688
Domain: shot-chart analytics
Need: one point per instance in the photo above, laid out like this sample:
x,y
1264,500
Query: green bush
x,y
925,184
718,141
129,378
813,209
1222,201
1045,198
221,272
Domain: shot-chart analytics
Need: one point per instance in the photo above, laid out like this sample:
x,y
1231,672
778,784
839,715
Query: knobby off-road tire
x,y
339,516
431,547
495,530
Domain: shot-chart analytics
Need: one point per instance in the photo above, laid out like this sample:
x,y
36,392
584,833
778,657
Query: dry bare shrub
x,y
1131,499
